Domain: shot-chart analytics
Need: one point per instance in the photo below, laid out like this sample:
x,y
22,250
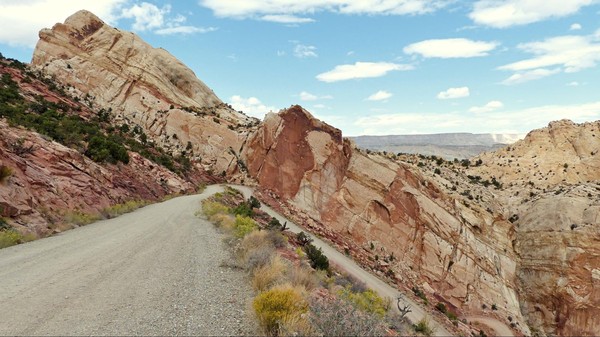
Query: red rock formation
x,y
426,238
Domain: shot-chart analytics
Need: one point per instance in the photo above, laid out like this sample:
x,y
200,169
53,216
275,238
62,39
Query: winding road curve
x,y
156,271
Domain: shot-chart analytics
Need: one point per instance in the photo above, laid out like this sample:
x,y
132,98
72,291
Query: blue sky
x,y
367,66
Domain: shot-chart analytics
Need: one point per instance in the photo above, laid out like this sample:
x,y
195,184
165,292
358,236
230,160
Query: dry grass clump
x,y
269,275
303,277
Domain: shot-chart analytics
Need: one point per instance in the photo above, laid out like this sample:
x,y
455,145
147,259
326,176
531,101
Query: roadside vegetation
x,y
298,292
95,137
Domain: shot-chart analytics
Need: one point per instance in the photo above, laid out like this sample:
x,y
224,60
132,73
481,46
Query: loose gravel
x,y
157,271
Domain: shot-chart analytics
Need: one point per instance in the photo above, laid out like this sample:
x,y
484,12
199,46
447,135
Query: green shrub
x,y
423,327
277,306
211,208
244,225
317,259
368,301
5,173
4,225
79,218
120,209
10,238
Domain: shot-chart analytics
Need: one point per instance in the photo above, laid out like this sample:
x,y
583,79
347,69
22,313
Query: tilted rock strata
x,y
464,255
142,86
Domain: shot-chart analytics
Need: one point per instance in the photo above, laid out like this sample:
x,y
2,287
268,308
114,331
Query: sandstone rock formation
x,y
551,189
142,86
419,234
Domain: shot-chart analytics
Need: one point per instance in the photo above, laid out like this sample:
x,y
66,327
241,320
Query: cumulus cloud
x,y
489,107
453,93
251,106
22,20
451,48
506,13
499,121
148,16
259,8
381,95
567,54
361,70
304,51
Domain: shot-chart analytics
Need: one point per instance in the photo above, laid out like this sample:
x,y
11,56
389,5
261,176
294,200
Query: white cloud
x,y
251,106
260,8
146,16
506,13
20,21
489,107
285,18
451,48
452,93
304,51
568,54
500,121
573,84
307,96
530,75
381,95
184,30
361,70
575,26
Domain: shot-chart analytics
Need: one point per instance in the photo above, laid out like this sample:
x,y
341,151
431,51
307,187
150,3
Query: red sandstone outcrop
x,y
51,180
428,239
142,86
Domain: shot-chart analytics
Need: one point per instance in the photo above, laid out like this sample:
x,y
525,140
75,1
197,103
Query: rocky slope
x,y
386,214
551,190
49,181
142,86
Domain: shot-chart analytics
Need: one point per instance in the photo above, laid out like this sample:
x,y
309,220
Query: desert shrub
x,y
277,306
79,218
424,327
10,238
255,240
269,274
277,239
120,209
259,257
316,258
303,238
253,202
303,277
244,225
4,225
5,173
336,317
242,209
419,293
368,301
351,282
211,208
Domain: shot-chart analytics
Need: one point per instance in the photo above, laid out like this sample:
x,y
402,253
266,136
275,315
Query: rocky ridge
x,y
142,86
386,213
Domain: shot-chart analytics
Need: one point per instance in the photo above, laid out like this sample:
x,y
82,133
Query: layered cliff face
x,y
374,206
142,86
551,189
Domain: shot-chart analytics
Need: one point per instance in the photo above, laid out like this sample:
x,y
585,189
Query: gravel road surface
x,y
156,271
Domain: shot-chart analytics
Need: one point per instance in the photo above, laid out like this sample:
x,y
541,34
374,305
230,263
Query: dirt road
x,y
155,271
